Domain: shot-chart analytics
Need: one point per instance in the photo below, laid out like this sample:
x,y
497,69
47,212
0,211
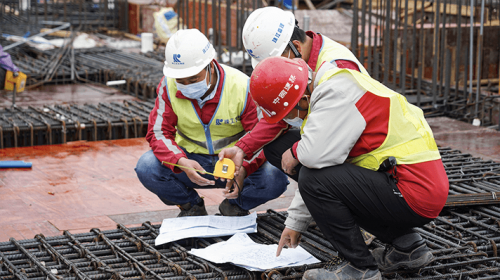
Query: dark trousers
x,y
275,150
3,73
344,197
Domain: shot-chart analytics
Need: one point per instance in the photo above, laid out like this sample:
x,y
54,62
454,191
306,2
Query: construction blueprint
x,y
242,251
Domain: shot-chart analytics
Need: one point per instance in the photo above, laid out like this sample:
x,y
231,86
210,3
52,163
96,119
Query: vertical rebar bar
x,y
435,53
402,80
458,49
471,49
387,41
447,78
206,17
363,30
200,17
228,28
395,51
421,56
442,49
219,30
479,60
369,46
355,26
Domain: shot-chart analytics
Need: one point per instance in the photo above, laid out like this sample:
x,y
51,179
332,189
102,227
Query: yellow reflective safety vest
x,y
225,127
331,50
409,138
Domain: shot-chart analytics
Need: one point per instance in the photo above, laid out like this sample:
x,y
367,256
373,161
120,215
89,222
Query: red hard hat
x,y
277,84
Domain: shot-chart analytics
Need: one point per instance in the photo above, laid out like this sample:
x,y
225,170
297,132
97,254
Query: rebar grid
x,y
95,65
58,124
462,240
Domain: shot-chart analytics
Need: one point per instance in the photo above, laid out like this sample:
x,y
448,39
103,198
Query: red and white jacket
x,y
163,143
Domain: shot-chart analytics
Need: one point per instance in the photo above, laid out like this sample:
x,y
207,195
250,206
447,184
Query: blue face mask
x,y
196,90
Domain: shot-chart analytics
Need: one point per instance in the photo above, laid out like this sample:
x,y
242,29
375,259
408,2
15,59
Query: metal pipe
x,y
479,60
63,25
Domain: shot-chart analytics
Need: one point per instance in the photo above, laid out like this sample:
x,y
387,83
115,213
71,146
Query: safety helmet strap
x,y
294,50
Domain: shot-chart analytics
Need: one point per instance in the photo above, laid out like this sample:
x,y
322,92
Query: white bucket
x,y
146,42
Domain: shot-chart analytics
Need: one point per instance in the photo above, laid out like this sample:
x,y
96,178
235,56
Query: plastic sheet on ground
x,y
242,251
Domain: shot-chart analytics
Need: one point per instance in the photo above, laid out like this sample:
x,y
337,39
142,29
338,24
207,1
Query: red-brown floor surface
x,y
82,185
478,141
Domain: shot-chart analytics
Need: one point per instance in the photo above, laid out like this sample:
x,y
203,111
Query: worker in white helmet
x,y
201,108
269,32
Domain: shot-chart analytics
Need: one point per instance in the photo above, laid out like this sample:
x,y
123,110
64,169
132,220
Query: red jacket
x,y
264,132
166,149
377,118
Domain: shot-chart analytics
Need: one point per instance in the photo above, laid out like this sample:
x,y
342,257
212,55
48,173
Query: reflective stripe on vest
x,y
409,138
224,129
331,50
217,144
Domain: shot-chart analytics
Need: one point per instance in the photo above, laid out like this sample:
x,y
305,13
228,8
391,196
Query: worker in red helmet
x,y
365,158
269,32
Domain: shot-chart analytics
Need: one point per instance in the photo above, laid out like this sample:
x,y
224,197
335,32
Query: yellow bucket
x,y
10,80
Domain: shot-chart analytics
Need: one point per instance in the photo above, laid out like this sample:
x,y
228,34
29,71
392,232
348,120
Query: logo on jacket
x,y
176,59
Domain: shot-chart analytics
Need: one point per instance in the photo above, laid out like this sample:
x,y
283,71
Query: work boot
x,y
196,210
344,271
392,259
228,209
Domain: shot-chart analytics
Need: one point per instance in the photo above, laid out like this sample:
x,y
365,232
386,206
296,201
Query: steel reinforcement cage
x,y
462,240
443,55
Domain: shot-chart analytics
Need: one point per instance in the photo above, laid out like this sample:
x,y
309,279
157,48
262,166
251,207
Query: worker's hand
x,y
288,163
232,190
193,175
290,238
235,154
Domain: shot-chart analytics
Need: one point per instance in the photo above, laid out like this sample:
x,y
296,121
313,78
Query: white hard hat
x,y
267,32
187,52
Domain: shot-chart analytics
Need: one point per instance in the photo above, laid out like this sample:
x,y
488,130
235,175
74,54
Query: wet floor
x,y
81,185
63,94
478,141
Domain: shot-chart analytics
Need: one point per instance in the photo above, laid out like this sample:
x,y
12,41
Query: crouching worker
x,y
202,107
350,125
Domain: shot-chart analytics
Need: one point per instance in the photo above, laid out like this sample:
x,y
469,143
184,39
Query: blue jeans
x,y
267,183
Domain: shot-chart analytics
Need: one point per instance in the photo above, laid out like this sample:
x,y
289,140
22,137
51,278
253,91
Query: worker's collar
x,y
317,44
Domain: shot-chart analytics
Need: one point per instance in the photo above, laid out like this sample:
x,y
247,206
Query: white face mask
x,y
297,121
294,122
196,90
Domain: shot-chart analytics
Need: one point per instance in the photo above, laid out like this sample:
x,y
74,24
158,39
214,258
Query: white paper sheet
x,y
205,226
242,251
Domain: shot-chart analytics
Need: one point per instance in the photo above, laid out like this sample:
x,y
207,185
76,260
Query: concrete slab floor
x,y
477,141
82,185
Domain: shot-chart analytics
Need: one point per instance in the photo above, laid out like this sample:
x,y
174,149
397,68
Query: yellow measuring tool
x,y
223,168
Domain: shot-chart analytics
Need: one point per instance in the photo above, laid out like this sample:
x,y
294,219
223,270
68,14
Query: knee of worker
x,y
146,169
273,180
272,156
308,182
